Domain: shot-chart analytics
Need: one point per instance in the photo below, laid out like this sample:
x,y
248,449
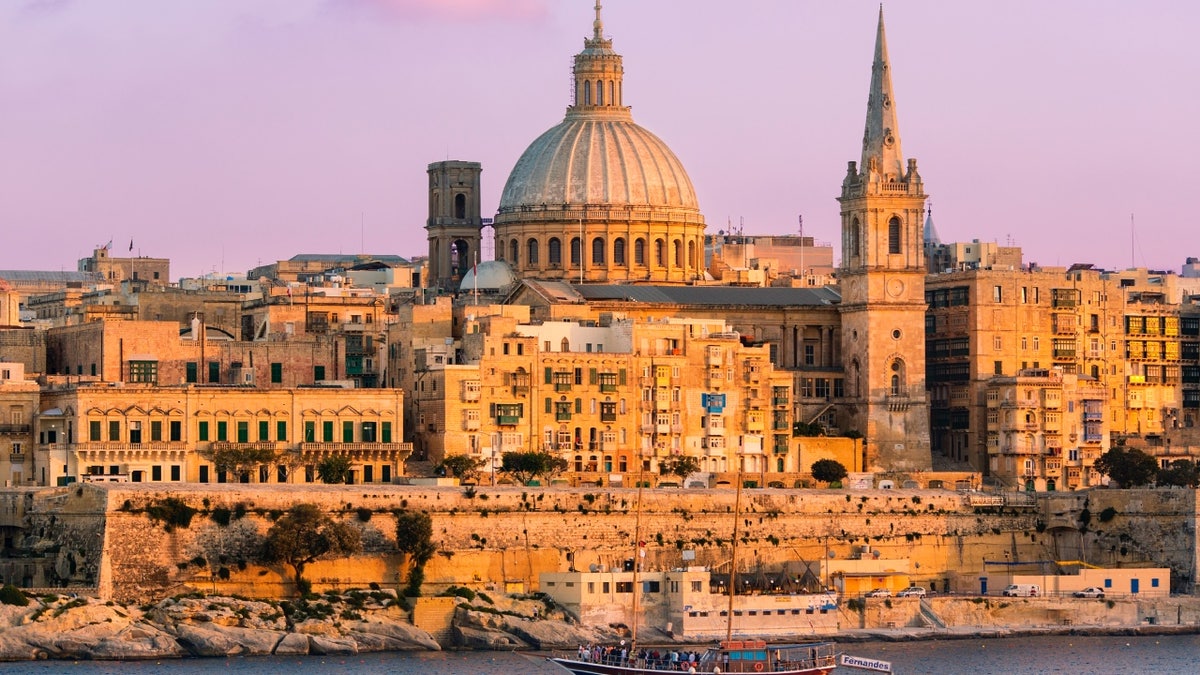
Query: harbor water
x,y
1011,656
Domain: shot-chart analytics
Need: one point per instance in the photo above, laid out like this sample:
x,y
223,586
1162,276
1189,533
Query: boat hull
x,y
588,668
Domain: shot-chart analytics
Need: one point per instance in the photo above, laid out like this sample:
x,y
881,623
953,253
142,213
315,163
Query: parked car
x,y
912,592
879,593
1090,592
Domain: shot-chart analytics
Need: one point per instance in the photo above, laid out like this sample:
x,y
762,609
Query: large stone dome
x,y
598,159
598,198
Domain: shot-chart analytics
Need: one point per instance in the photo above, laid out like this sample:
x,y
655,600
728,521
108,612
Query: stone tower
x,y
883,287
454,224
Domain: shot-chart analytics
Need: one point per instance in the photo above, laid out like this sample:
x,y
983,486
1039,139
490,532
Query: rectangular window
x,y
243,432
222,431
114,431
203,473
318,373
155,431
276,373
264,430
281,430
368,432
175,473
94,431
327,432
310,432
347,432
997,294
156,473
214,372
202,431
385,432
191,370
176,431
145,372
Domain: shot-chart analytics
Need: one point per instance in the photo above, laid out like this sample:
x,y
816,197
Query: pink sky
x,y
224,133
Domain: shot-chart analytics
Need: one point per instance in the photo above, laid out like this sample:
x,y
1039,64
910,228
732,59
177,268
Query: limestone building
x,y
455,224
598,198
18,406
154,271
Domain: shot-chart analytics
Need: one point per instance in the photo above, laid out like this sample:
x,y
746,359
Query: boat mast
x,y
737,516
637,552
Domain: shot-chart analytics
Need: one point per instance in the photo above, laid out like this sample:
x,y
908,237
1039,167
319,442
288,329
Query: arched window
x,y
639,251
898,378
677,247
692,255
619,251
531,252
575,251
512,252
460,205
660,253
599,93
566,345
612,95
554,248
855,238
598,257
894,235
587,92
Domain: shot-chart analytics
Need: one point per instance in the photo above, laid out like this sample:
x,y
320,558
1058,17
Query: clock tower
x,y
882,279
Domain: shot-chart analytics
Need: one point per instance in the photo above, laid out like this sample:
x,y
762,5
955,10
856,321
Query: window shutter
x,y
549,375
621,376
592,378
547,404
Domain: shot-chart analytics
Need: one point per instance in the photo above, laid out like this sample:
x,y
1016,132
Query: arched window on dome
x,y
855,239
554,249
894,235
599,92
531,252
692,255
660,253
598,253
619,251
612,93
639,251
575,257
677,250
513,251
587,92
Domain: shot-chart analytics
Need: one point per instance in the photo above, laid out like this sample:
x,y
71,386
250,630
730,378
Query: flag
x,y
108,245
130,244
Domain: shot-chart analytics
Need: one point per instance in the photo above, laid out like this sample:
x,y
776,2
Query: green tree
x,y
414,538
241,461
1127,468
828,470
527,466
334,469
303,535
1181,473
465,467
679,465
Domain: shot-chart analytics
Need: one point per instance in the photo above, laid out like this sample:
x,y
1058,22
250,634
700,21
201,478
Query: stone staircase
x,y
434,616
930,616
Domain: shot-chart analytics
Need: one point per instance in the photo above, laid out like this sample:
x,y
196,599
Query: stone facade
x,y
454,223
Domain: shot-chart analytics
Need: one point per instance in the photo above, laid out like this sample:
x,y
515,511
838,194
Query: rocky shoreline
x,y
195,625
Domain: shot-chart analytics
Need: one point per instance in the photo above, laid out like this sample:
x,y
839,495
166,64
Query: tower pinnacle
x,y
598,24
881,139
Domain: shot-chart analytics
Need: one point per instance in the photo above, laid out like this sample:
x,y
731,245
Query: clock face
x,y
895,288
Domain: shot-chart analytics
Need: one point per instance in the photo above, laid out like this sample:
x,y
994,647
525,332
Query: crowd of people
x,y
650,659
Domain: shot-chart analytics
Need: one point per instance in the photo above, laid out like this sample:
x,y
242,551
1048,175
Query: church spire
x,y
881,140
598,24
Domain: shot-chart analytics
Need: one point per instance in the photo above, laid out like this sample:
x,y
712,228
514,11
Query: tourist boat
x,y
730,656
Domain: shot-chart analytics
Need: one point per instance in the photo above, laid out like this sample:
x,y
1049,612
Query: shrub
x,y
221,516
1108,514
174,512
11,595
364,514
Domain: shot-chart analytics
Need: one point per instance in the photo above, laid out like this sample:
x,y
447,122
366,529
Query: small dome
x,y
493,275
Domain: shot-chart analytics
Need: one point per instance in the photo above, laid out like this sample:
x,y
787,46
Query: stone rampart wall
x,y
502,538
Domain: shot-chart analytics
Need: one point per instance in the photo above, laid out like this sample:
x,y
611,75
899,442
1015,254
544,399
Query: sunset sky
x,y
225,133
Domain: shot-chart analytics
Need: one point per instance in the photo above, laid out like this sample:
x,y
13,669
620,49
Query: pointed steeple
x,y
881,140
598,75
931,233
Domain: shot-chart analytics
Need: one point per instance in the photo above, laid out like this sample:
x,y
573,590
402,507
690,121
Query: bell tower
x,y
454,224
882,280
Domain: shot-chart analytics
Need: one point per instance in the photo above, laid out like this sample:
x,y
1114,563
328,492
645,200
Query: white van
x,y
1022,591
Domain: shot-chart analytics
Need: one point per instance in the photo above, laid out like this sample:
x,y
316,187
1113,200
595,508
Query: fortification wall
x,y
501,538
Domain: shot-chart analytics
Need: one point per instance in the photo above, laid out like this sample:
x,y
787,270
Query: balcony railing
x,y
15,428
250,445
351,447
16,457
507,420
